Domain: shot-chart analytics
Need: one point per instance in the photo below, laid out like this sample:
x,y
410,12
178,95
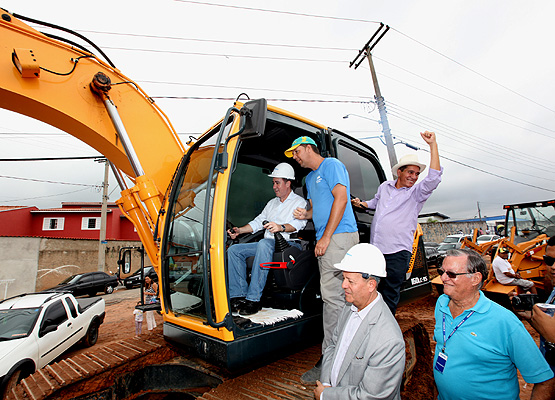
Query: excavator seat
x,y
291,268
291,272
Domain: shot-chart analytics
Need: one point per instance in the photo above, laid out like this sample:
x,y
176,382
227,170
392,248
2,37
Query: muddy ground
x,y
119,322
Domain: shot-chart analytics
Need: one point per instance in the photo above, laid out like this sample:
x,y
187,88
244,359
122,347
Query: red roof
x,y
4,208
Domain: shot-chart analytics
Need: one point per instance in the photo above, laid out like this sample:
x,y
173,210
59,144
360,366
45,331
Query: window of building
x,y
53,224
88,223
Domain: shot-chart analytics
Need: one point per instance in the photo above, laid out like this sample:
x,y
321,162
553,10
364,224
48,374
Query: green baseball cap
x,y
297,143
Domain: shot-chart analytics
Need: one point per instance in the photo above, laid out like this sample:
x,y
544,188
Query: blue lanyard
x,y
454,329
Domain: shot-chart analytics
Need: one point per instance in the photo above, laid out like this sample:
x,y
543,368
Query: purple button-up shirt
x,y
397,212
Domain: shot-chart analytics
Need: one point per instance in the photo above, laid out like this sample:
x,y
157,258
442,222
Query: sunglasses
x,y
548,260
451,275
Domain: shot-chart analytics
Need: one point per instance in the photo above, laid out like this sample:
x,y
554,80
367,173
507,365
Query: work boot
x,y
311,376
236,303
249,308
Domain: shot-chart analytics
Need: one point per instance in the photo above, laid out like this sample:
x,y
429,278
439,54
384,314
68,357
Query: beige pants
x,y
150,321
331,279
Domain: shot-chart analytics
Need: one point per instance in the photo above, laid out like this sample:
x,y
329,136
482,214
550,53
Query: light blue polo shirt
x,y
485,353
319,184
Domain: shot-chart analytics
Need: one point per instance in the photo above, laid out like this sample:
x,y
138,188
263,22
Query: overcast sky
x,y
478,73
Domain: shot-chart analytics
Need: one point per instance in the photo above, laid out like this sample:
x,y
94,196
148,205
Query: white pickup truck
x,y
36,328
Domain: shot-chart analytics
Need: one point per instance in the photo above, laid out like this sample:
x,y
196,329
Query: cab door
x,y
56,333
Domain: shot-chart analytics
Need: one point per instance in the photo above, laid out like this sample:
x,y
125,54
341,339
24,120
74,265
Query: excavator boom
x,y
49,80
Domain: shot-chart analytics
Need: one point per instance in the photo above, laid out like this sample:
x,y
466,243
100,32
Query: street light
x,y
360,116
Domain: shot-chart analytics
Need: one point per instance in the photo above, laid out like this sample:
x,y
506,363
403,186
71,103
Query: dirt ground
x,y
119,322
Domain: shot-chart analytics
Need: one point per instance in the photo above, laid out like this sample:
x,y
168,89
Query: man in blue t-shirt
x,y
480,344
329,191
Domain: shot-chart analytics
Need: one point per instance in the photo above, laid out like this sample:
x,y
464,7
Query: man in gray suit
x,y
366,357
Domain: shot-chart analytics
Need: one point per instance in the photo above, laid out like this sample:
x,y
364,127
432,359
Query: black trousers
x,y
396,265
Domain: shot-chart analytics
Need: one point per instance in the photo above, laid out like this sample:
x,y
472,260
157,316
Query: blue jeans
x,y
263,252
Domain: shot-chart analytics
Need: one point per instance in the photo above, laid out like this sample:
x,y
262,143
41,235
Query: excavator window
x,y
184,261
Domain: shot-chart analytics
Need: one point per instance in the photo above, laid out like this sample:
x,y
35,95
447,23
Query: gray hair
x,y
474,262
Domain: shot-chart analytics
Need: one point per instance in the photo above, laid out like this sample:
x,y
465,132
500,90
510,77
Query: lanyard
x,y
454,329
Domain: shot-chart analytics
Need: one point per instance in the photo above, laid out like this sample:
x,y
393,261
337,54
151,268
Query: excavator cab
x,y
222,182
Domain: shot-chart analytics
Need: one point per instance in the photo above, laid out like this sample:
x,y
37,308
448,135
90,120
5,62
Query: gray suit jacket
x,y
375,360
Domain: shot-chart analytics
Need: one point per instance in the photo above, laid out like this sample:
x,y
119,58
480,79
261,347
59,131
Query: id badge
x,y
440,362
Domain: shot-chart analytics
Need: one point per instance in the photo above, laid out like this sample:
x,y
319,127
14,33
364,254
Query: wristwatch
x,y
283,226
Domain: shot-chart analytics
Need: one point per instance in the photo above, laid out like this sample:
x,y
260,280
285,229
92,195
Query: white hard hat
x,y
283,170
364,258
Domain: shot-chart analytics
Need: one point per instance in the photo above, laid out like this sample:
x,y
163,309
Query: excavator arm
x,y
75,91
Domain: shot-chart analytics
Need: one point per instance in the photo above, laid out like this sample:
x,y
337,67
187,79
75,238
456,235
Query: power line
x,y
23,134
471,109
485,163
471,70
460,94
487,172
42,197
47,181
468,136
408,119
269,99
52,158
338,19
498,176
278,12
292,46
228,55
243,88
373,22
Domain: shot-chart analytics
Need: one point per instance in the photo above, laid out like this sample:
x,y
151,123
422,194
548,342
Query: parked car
x,y
431,255
36,328
456,238
486,238
135,279
442,249
87,283
431,244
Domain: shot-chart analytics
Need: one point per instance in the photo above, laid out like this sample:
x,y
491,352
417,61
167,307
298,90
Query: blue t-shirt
x,y
319,185
483,355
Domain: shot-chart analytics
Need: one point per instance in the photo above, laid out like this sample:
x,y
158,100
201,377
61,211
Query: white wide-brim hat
x,y
409,159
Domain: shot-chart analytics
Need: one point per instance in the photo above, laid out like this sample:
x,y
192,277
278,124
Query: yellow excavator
x,y
182,198
528,226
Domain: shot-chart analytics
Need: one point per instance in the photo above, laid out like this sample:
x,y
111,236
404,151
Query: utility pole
x,y
103,214
479,212
383,115
365,52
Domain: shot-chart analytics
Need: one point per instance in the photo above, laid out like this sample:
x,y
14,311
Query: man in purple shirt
x,y
397,204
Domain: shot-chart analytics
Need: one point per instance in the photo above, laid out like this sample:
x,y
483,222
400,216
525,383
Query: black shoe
x,y
311,376
236,303
249,307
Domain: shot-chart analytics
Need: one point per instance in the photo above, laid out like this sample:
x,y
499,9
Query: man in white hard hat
x,y
397,204
366,357
245,297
